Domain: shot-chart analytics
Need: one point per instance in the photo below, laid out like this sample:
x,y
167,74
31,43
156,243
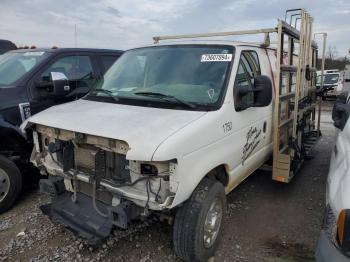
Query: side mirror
x,y
341,111
343,98
60,84
263,91
340,115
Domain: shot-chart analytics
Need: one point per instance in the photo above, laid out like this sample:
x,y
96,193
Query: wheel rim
x,y
4,184
212,223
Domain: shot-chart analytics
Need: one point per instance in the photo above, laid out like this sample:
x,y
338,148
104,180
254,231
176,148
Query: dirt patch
x,y
289,251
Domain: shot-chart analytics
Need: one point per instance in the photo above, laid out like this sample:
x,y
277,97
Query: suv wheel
x,y
198,222
10,183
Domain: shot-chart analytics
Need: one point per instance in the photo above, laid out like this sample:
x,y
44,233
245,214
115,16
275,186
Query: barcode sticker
x,y
216,58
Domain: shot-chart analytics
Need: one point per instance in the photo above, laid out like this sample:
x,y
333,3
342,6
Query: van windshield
x,y
182,75
14,65
328,79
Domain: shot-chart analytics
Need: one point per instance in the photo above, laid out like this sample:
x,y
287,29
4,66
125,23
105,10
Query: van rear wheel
x,y
198,222
10,183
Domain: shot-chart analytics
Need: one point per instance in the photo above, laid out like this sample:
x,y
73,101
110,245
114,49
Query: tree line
x,y
333,61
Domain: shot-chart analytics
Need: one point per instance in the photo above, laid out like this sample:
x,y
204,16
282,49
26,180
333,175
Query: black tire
x,y
188,231
15,183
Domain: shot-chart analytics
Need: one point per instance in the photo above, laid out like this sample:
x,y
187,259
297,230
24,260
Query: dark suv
x,y
6,45
27,86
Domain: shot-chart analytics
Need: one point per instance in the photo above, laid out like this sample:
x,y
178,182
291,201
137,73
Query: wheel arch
x,y
13,142
219,173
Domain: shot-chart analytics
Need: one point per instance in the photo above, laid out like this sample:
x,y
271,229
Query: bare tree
x,y
345,60
332,53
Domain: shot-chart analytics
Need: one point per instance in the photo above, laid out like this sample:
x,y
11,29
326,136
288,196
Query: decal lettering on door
x,y
253,140
227,127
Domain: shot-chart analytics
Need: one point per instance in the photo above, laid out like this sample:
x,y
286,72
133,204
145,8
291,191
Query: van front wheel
x,y
10,183
198,222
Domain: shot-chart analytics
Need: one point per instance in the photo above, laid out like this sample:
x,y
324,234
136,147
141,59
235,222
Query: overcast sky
x,y
122,24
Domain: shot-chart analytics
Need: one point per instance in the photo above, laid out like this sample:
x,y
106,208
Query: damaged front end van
x,y
93,184
175,126
146,140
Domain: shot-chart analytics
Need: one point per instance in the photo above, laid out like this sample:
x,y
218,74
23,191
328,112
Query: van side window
x,y
248,68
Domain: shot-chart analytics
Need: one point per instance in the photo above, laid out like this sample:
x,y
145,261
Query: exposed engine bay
x,y
92,184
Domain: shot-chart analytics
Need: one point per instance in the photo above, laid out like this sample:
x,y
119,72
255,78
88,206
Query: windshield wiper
x,y
165,96
105,91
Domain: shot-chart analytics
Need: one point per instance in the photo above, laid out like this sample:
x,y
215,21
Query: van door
x,y
252,124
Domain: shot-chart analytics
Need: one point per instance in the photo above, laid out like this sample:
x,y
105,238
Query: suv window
x,y
248,68
78,70
14,65
108,61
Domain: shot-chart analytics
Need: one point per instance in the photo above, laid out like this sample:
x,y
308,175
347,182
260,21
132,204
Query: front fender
x,y
193,167
12,140
198,148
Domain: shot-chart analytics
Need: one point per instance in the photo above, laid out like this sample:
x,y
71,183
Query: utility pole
x,y
322,77
75,36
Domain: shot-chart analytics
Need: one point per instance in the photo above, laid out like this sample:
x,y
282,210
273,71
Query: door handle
x,y
264,127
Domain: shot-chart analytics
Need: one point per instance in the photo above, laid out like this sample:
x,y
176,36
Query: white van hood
x,y
143,128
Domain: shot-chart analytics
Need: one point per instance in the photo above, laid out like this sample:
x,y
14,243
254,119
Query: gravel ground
x,y
266,221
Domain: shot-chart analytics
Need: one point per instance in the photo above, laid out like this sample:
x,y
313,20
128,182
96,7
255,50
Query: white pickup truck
x,y
170,130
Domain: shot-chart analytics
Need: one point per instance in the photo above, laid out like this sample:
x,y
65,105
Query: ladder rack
x,y
295,130
265,31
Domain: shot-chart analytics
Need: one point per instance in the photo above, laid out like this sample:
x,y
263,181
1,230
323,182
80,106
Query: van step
x,y
309,143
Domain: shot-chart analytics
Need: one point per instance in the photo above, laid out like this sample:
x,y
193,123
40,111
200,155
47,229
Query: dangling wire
x,y
75,185
147,185
94,200
156,195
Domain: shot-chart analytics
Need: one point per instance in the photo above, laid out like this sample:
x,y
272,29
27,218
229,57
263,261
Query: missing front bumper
x,y
81,217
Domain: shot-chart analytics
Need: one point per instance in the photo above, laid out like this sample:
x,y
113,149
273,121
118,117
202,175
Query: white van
x,y
170,130
332,83
347,73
